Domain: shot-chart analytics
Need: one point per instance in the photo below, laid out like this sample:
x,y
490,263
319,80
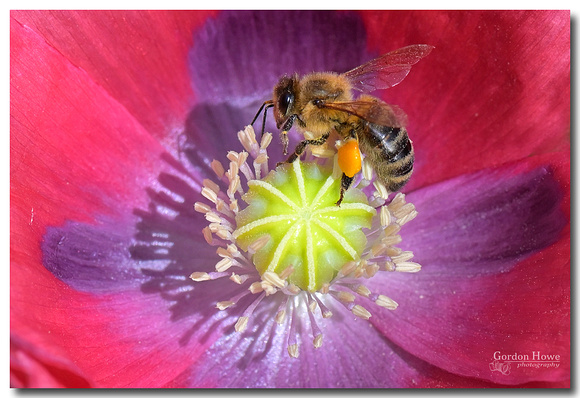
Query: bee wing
x,y
388,70
376,112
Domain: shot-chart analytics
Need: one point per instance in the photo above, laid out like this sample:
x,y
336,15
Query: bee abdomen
x,y
391,152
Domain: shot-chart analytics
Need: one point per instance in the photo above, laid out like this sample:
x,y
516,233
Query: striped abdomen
x,y
390,152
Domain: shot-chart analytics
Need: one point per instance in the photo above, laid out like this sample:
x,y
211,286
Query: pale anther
x,y
293,350
241,324
222,305
318,341
201,207
200,276
407,267
363,290
381,190
224,264
273,279
280,317
211,185
385,216
361,312
386,302
209,194
392,229
217,168
345,297
256,287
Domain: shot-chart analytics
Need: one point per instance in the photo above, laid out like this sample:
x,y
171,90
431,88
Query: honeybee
x,y
321,103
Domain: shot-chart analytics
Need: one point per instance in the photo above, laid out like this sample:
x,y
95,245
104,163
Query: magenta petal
x,y
137,57
495,89
484,287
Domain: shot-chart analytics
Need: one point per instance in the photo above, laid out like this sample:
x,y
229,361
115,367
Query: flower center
x,y
294,207
291,240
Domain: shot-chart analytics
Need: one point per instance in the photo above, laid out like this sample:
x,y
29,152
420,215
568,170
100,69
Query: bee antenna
x,y
265,106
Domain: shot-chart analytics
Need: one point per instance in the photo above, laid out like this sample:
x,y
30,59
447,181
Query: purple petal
x,y
129,253
485,222
239,56
353,355
91,258
470,236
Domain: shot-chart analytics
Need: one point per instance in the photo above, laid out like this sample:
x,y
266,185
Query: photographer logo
x,y
504,363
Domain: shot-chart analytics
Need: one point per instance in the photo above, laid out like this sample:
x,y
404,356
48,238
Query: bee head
x,y
285,99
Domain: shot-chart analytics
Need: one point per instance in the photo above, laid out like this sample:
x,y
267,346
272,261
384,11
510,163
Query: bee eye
x,y
285,101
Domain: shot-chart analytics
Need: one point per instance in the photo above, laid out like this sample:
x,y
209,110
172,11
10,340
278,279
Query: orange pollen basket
x,y
349,158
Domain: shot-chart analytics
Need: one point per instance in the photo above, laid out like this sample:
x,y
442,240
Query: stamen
x,y
256,287
404,211
258,244
361,312
266,140
326,313
392,251
205,276
200,276
316,333
381,190
281,313
407,267
318,340
407,218
274,279
385,216
222,305
344,297
211,185
293,350
224,264
239,279
311,303
386,302
207,235
348,268
404,256
362,290
201,207
209,194
292,343
217,168
280,317
367,171
242,322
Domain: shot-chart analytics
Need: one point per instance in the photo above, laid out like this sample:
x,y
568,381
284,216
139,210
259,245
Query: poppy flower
x,y
117,117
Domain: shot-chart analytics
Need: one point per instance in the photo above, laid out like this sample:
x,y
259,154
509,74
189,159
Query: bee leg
x,y
345,182
302,146
284,139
